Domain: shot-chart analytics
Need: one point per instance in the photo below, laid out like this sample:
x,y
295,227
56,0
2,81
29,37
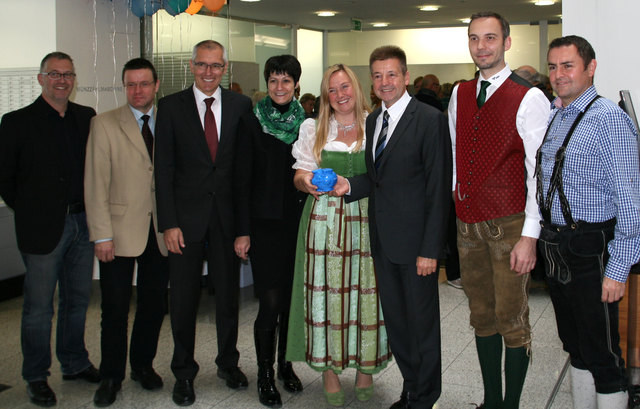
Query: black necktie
x,y
147,135
482,96
382,139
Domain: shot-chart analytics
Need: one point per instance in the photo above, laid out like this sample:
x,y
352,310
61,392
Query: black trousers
x,y
185,273
575,261
116,287
412,317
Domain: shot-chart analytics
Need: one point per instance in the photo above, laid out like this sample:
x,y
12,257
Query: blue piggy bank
x,y
325,179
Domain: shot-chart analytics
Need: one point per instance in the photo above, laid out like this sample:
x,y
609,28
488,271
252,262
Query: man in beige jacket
x,y
121,214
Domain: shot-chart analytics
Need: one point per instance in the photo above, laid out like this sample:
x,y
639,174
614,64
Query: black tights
x,y
273,312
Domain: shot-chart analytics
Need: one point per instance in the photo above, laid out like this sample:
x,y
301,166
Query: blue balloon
x,y
142,8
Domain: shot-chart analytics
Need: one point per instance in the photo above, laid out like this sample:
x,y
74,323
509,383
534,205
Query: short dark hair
x,y
285,64
140,64
506,30
585,50
58,55
386,52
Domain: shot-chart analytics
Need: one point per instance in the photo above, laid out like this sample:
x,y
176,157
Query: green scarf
x,y
283,126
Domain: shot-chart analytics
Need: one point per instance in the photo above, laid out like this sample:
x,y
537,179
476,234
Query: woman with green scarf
x,y
273,209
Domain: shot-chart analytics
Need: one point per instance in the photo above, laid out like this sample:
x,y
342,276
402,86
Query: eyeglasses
x,y
143,84
201,66
55,75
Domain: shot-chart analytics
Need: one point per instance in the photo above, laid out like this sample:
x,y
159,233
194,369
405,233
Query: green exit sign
x,y
356,24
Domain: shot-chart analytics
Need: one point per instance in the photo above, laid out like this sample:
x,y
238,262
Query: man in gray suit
x,y
408,157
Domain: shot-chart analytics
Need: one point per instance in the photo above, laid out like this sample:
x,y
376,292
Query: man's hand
x,y
105,251
523,255
341,188
426,266
174,240
612,290
241,246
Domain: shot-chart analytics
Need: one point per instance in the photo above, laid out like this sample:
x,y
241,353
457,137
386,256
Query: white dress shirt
x,y
531,123
216,107
395,113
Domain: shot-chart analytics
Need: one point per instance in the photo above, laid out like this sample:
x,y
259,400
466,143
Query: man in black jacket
x,y
42,151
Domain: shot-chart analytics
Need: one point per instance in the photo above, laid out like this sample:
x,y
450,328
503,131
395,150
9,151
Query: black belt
x,y
579,225
74,208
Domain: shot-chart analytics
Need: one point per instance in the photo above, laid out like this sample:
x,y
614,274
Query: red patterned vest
x,y
489,153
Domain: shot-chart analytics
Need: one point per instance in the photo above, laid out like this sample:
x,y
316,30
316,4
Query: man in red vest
x,y
497,123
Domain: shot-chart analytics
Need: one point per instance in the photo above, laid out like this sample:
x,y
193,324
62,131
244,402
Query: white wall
x,y
445,50
611,26
100,36
28,32
309,54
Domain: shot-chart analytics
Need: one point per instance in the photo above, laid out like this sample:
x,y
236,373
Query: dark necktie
x,y
382,139
147,135
482,96
210,129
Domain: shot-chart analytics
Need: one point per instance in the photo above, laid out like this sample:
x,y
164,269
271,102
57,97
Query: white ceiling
x,y
399,13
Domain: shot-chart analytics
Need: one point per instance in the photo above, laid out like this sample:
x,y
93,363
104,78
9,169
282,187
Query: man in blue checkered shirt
x,y
589,199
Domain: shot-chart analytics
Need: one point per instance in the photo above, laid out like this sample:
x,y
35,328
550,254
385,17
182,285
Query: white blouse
x,y
303,148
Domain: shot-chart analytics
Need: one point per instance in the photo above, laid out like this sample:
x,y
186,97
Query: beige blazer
x,y
119,186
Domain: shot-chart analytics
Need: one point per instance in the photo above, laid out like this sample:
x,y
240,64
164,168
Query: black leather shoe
x,y
403,403
147,377
234,377
106,393
183,394
90,374
41,394
289,379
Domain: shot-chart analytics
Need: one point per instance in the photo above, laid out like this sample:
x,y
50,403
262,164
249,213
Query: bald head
x,y
431,82
527,73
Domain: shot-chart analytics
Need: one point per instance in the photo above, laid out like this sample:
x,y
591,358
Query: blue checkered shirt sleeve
x,y
601,176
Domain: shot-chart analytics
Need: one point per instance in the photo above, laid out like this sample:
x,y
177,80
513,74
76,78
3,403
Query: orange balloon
x,y
214,5
194,7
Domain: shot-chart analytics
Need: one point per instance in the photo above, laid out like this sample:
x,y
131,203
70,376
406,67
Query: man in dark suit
x,y
195,159
120,200
408,178
42,148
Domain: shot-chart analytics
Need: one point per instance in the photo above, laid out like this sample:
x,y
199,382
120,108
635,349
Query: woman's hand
x,y
302,182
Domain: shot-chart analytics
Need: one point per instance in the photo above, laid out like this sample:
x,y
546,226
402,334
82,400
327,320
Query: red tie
x,y
210,129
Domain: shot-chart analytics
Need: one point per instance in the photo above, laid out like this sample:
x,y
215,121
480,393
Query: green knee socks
x,y
490,357
516,363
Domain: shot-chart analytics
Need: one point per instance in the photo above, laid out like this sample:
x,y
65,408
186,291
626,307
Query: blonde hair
x,y
326,111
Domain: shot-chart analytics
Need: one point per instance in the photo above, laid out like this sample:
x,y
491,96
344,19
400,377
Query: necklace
x,y
346,128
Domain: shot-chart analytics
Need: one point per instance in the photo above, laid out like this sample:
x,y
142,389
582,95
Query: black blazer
x,y
32,177
188,182
409,195
267,174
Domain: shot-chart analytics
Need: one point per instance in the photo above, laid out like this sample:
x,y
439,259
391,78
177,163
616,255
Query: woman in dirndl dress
x,y
336,320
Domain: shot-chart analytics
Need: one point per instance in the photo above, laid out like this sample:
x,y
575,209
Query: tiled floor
x,y
460,371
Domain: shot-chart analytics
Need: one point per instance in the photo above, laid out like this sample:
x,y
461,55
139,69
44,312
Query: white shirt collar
x,y
396,110
496,80
201,96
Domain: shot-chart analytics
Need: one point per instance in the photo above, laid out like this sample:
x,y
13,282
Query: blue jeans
x,y
71,265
